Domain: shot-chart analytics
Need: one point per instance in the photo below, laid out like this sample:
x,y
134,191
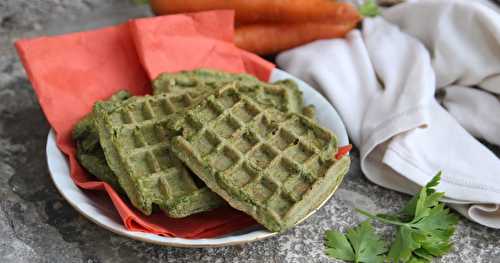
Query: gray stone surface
x,y
37,225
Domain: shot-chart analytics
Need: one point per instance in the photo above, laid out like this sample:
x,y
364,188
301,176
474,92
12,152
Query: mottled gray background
x,y
37,225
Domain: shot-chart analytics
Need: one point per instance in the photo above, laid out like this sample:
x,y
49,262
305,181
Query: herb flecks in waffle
x,y
283,95
275,166
135,141
88,149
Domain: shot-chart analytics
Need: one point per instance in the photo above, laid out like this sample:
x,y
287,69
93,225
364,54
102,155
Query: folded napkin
x,y
174,43
383,81
71,72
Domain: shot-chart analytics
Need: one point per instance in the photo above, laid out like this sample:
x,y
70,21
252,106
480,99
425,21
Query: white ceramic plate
x,y
96,207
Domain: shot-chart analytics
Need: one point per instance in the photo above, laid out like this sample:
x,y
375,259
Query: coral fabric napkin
x,y
173,43
383,80
71,72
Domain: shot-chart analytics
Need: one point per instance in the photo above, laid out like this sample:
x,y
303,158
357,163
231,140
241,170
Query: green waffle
x,y
198,80
135,142
275,166
309,111
181,90
88,150
284,94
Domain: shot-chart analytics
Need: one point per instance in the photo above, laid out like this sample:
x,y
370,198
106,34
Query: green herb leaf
x,y
338,246
420,255
438,227
406,242
361,244
366,243
416,259
369,9
425,228
430,188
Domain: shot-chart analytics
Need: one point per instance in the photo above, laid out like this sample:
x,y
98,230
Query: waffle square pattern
x,y
283,95
135,142
273,165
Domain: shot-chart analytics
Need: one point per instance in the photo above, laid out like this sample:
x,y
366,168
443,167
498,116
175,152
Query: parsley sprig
x,y
369,9
424,229
361,244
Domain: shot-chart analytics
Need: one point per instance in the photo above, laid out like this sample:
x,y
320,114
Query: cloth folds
x,y
71,72
383,81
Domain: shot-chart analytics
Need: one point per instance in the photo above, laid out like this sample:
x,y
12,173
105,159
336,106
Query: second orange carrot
x,y
266,39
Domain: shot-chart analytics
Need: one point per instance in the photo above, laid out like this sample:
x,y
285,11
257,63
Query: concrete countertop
x,y
37,225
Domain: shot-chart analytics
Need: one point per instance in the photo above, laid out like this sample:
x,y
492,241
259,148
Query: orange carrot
x,y
266,39
259,11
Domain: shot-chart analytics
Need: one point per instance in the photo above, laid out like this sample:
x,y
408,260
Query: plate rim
x,y
252,236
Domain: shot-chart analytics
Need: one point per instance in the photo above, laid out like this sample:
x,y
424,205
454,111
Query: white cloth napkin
x,y
383,82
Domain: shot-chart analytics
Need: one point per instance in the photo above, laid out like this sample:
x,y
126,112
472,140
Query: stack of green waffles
x,y
205,139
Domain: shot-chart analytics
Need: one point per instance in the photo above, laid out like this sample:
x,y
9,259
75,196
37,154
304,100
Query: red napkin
x,y
201,40
71,72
